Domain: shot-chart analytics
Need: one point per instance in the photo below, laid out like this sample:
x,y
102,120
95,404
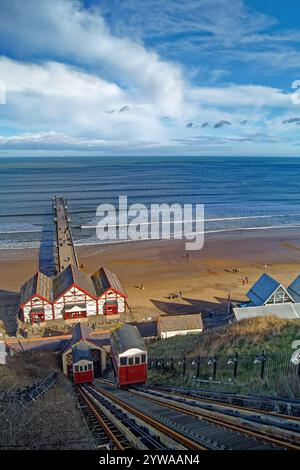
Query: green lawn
x,y
245,337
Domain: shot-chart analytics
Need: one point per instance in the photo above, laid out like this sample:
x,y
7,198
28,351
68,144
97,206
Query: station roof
x,y
286,311
183,322
80,352
70,276
127,337
294,289
263,288
105,279
52,288
80,334
40,285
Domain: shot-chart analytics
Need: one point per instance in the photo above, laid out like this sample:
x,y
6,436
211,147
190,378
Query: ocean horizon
x,y
240,194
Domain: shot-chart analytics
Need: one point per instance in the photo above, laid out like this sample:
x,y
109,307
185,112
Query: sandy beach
x,y
205,279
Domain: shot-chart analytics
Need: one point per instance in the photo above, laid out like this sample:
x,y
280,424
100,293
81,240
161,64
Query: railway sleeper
x,y
250,425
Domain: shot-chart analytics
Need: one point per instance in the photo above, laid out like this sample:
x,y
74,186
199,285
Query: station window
x,y
143,358
130,361
137,360
123,361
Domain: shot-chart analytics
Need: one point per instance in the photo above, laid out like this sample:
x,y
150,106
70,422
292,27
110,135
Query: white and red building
x,y
71,294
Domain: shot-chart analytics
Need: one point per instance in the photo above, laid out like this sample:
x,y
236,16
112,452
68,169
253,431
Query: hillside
x,y
245,337
51,421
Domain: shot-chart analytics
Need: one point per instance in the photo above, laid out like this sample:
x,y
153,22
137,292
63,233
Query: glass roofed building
x,y
269,297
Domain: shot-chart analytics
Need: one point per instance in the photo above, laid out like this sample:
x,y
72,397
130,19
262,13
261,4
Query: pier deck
x,y
66,253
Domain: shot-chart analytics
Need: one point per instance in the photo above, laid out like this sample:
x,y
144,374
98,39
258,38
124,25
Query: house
x,y
71,294
36,299
269,297
74,294
173,325
111,296
147,329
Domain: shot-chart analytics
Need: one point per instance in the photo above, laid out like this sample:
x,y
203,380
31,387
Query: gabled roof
x,y
40,285
181,322
127,337
105,279
294,289
80,333
52,289
262,290
147,329
70,276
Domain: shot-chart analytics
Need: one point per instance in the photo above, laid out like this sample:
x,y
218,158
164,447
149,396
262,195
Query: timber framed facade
x,y
72,294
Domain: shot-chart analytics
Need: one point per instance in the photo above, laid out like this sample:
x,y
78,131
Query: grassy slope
x,y
245,337
52,421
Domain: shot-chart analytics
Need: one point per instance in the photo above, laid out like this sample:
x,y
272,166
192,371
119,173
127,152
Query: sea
x,y
245,196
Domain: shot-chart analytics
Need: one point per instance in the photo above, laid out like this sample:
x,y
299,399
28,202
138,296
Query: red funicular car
x,y
129,356
83,367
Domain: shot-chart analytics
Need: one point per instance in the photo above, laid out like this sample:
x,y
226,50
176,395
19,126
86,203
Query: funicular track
x,y
278,429
116,427
196,426
278,406
103,429
186,395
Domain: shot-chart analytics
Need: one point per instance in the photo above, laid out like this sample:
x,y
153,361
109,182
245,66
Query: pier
x,y
66,253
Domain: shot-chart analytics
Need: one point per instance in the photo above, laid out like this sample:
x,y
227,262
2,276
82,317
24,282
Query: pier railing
x,y
66,252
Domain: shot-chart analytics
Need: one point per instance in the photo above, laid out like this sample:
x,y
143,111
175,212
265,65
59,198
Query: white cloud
x,y
154,17
63,29
77,105
221,31
53,139
58,80
241,95
65,101
53,95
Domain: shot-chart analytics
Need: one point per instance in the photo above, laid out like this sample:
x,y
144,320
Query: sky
x,y
151,77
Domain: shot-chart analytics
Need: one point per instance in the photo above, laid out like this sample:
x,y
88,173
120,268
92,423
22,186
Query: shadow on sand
x,y
9,309
213,313
46,253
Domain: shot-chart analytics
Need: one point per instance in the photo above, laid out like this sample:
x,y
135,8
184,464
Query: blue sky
x,y
151,77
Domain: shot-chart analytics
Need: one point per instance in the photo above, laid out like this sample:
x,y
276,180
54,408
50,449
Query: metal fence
x,y
265,369
31,393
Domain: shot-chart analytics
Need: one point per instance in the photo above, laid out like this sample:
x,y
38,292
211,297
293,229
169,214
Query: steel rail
x,y
99,416
219,421
190,444
224,397
224,404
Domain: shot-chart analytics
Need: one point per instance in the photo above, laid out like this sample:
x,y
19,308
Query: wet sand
x,y
205,279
